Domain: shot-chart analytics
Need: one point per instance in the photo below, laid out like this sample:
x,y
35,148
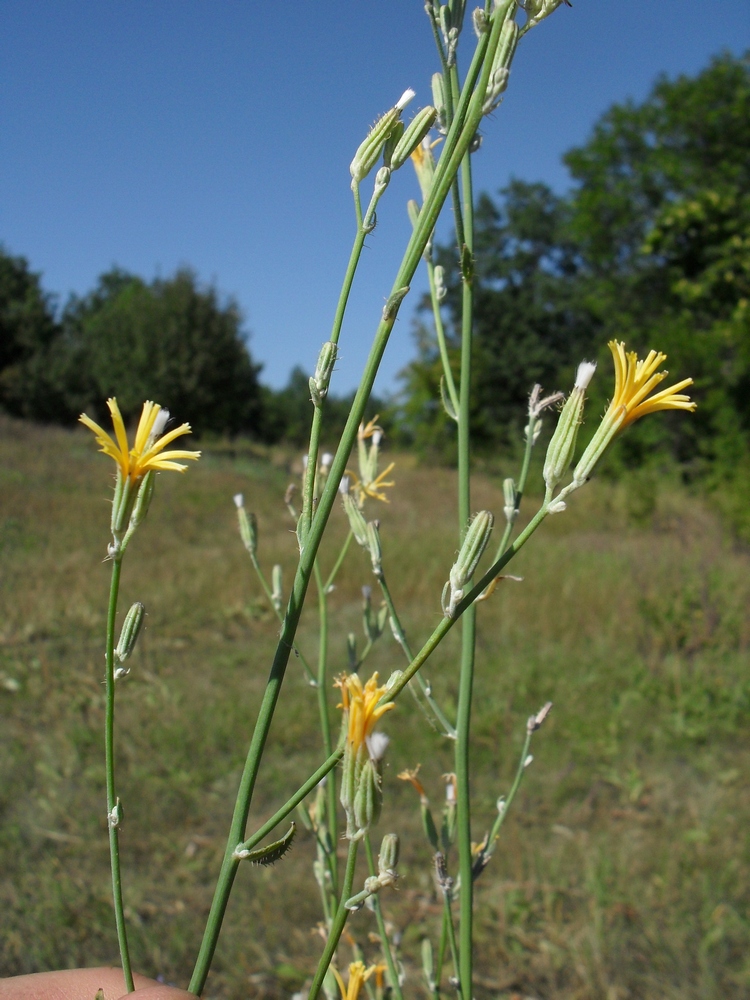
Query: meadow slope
x,y
623,870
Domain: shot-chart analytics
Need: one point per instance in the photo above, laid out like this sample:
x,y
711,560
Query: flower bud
x,y
509,492
389,851
129,633
323,371
563,442
415,132
277,593
357,521
440,101
469,555
368,798
248,526
368,152
373,544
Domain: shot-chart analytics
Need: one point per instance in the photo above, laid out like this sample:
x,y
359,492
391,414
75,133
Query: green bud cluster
x,y
369,150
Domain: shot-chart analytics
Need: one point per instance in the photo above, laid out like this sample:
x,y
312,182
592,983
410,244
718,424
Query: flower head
x,y
369,483
362,706
147,452
635,380
358,975
633,398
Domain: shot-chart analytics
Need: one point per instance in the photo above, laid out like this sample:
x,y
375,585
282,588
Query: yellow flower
x,y
362,705
368,483
635,379
147,452
358,975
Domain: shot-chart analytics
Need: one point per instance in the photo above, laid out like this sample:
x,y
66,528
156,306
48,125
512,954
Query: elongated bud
x,y
428,965
122,505
373,544
509,493
131,627
369,151
415,132
389,851
424,166
323,370
277,593
440,101
351,652
368,798
562,445
356,520
471,552
537,10
440,290
390,144
248,526
500,72
142,500
412,210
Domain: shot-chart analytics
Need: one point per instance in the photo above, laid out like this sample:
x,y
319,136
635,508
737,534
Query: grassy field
x,y
624,868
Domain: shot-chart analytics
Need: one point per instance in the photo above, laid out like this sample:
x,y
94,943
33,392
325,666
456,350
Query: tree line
x,y
651,245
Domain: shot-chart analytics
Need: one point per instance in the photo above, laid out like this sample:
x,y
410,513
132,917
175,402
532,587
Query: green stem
x,y
441,948
462,131
339,921
291,804
451,931
401,639
520,771
325,720
440,333
337,565
521,486
109,761
464,972
446,624
387,953
269,596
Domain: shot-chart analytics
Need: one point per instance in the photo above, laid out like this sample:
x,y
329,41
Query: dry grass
x,y
623,871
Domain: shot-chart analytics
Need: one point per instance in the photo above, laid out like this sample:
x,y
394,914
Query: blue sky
x,y
218,134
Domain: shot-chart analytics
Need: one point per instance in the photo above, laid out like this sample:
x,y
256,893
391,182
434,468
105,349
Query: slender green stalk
x,y
267,591
386,944
325,720
337,565
468,623
521,486
442,344
462,131
446,624
451,932
109,763
339,921
520,771
291,804
401,639
441,949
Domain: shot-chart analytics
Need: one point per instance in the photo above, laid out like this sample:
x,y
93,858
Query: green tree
x,y
27,331
171,341
660,214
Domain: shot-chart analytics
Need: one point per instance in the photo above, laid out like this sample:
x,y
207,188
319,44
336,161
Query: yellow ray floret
x,y
358,975
372,489
362,705
148,451
635,380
